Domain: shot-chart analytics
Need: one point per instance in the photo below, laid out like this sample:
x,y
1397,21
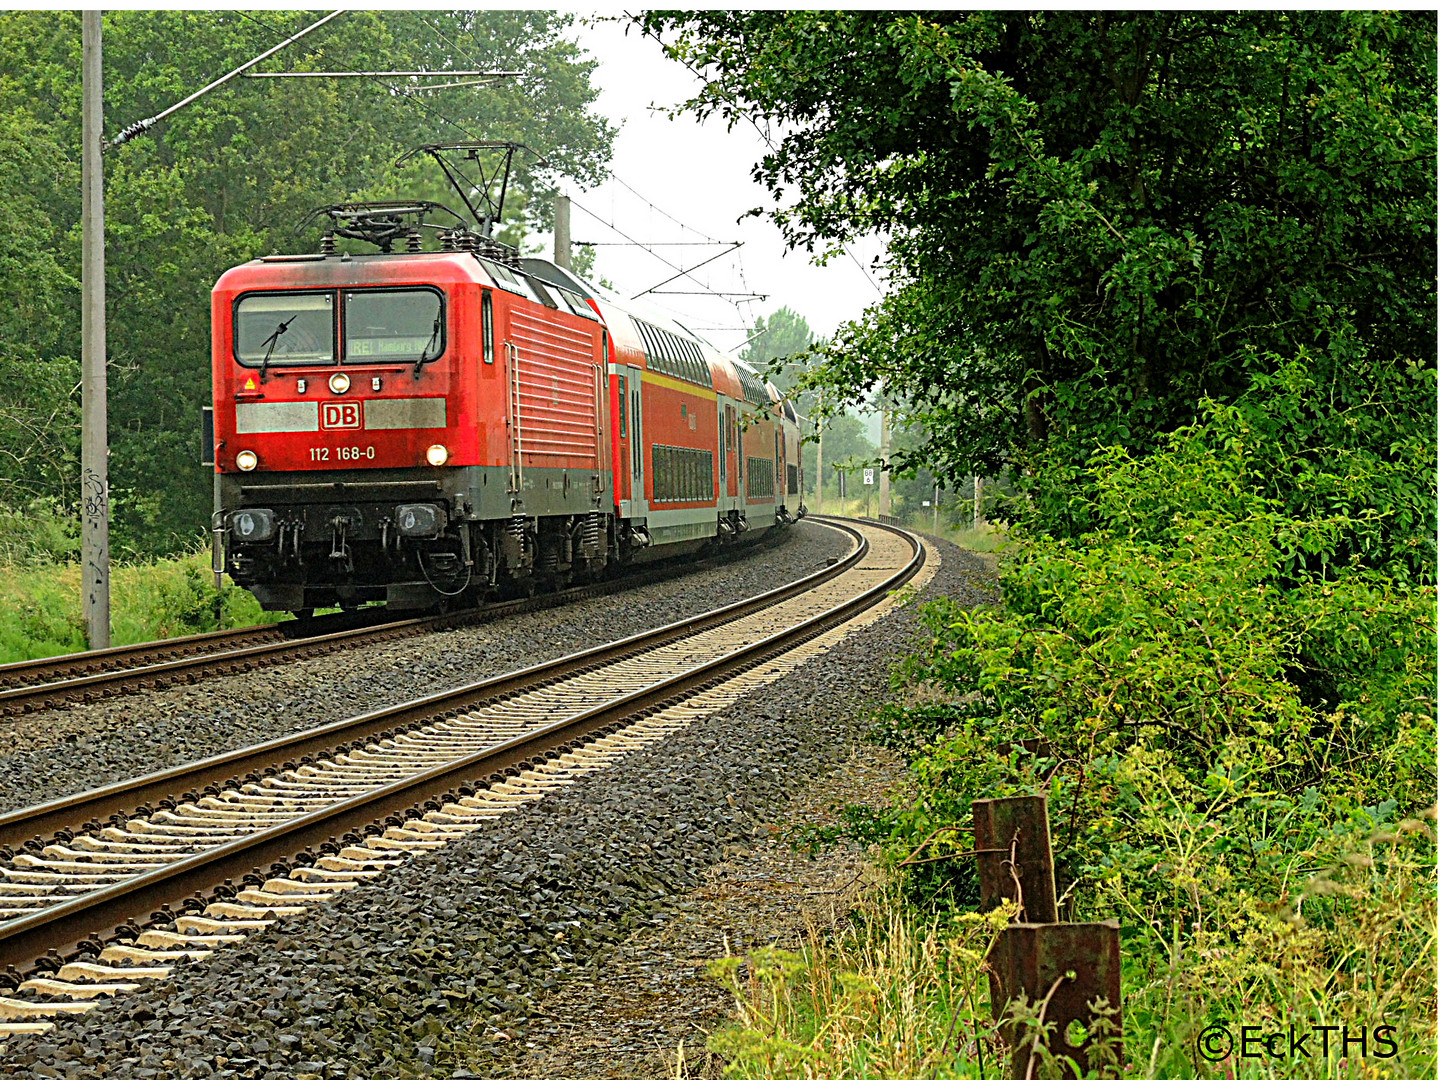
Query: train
x,y
432,428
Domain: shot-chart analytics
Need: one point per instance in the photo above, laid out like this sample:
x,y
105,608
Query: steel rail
x,y
30,824
129,667
28,672
95,913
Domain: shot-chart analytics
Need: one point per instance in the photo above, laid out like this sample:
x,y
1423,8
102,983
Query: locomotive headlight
x,y
339,383
437,455
246,460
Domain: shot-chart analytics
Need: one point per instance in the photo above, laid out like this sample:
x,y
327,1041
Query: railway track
x,y
31,686
332,808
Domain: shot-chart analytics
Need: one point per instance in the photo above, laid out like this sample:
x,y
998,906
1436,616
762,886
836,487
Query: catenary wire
x,y
631,240
397,91
764,135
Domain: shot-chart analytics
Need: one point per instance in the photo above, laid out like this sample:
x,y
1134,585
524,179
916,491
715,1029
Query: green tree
x,y
223,180
778,337
1096,219
38,370
783,348
845,441
1176,271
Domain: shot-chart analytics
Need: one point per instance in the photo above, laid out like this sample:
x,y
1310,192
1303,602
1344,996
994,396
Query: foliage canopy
x,y
223,180
1175,271
1098,219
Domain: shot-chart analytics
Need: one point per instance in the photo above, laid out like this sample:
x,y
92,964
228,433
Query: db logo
x,y
340,414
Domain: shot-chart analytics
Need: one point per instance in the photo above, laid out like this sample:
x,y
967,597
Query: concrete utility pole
x,y
883,508
562,231
94,425
94,411
819,463
979,503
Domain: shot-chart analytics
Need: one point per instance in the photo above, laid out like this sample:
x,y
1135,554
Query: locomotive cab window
x,y
393,324
285,328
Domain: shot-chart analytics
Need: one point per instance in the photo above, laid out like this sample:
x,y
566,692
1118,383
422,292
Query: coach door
x,y
638,505
724,448
782,487
731,456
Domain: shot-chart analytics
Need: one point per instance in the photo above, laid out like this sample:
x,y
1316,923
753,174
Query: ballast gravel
x,y
123,737
436,969
646,1010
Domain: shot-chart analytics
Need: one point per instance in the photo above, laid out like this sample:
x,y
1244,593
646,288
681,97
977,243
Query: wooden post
x,y
1012,839
1067,967
1060,969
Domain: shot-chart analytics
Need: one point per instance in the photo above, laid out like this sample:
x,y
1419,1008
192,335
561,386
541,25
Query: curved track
x,y
34,685
358,798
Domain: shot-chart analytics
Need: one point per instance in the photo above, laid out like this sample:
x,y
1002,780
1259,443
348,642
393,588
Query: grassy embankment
x,y
1232,700
988,539
40,610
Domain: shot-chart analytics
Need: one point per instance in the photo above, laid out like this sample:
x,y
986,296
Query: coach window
x,y
407,325
285,328
487,327
622,406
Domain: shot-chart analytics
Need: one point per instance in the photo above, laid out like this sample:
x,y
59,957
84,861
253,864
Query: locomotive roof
x,y
331,271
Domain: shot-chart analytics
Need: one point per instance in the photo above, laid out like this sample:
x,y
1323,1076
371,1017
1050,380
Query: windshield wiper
x,y
434,339
270,343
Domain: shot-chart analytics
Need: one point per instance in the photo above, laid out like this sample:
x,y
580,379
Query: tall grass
x,y
891,996
40,603
899,995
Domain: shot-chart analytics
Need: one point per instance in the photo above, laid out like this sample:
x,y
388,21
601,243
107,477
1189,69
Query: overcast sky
x,y
699,176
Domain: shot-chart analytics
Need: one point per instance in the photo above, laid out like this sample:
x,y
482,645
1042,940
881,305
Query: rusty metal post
x,y
1061,968
1012,844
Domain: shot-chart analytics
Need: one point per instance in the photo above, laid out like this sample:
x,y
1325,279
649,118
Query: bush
x,y
42,531
1226,689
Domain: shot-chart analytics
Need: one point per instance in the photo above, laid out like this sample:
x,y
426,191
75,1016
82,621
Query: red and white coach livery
x,y
420,425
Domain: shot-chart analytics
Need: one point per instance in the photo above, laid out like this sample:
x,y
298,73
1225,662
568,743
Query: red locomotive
x,y
418,425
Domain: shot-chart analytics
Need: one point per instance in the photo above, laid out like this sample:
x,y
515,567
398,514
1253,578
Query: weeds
x,y
40,610
892,996
1228,697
